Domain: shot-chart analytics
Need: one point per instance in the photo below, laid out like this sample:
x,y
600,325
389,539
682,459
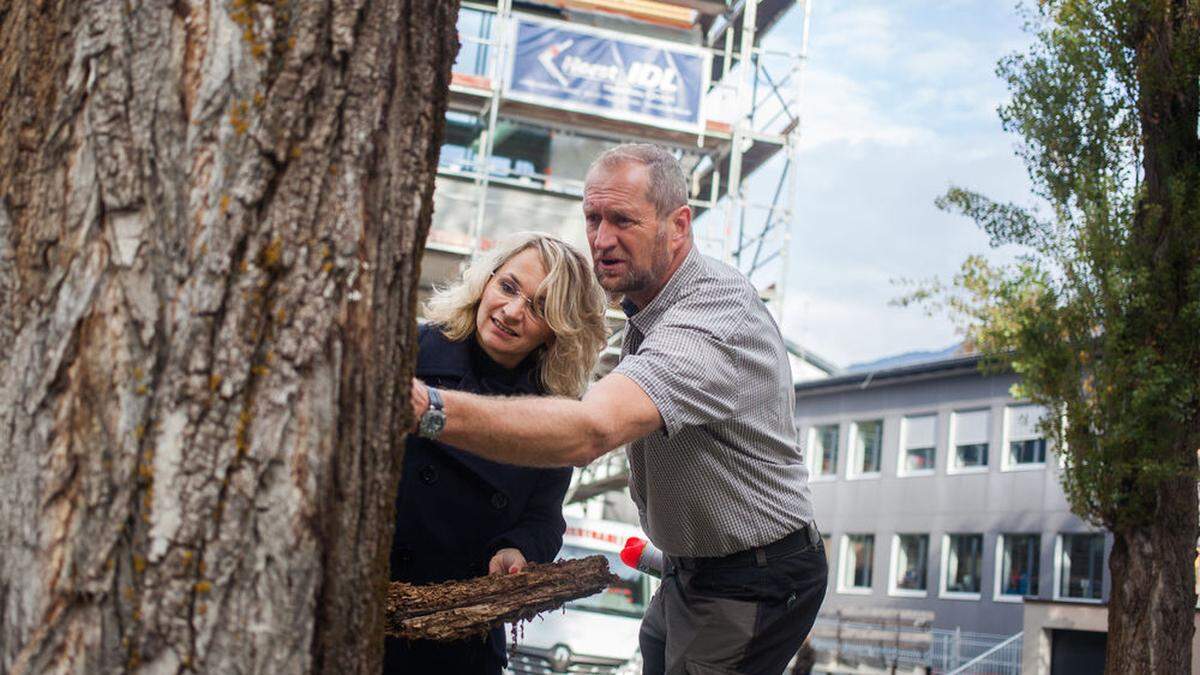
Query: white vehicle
x,y
597,634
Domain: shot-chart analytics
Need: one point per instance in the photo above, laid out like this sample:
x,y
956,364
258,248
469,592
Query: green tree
x,y
1101,316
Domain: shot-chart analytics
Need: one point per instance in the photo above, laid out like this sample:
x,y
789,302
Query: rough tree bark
x,y
211,213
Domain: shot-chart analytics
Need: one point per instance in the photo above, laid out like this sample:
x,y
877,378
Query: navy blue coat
x,y
454,510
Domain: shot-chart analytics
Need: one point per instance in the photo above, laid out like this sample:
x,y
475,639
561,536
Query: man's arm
x,y
544,431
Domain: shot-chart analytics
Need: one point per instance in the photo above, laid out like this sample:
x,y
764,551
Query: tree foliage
x,y
1100,316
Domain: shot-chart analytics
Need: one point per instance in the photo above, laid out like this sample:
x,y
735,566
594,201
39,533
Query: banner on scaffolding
x,y
605,73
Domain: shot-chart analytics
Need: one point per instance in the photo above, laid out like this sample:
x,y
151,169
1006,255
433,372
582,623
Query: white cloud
x,y
861,35
838,108
899,103
823,324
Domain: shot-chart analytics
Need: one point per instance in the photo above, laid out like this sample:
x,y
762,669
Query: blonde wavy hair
x,y
573,308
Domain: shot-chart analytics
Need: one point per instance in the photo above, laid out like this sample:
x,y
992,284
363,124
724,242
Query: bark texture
x,y
1150,614
211,213
456,610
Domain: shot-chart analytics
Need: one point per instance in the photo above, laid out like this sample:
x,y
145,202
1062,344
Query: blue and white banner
x,y
603,73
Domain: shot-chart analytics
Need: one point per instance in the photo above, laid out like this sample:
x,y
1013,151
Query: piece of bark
x,y
455,610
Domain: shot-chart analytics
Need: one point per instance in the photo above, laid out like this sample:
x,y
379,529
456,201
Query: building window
x,y
474,31
1081,566
970,439
824,446
962,567
866,447
858,553
919,445
1019,565
910,561
1026,445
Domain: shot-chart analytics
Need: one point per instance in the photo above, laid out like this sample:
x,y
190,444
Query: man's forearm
x,y
526,431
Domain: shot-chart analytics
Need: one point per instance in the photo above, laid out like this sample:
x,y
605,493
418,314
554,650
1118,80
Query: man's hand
x,y
420,402
506,561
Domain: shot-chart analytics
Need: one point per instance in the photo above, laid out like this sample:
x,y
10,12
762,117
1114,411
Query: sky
x,y
899,103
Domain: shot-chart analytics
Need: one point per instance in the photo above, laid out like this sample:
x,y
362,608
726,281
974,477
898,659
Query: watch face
x,y
432,423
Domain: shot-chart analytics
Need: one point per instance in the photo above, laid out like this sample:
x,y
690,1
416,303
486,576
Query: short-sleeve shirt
x,y
726,472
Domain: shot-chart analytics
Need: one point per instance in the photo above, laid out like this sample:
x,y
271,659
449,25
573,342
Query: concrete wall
x,y
992,501
1041,618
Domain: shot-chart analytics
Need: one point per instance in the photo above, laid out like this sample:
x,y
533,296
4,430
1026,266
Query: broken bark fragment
x,y
455,610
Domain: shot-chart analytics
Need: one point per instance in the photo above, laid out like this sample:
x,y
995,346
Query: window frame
x,y
952,465
843,586
894,589
814,461
902,448
852,454
998,593
1060,567
1007,463
944,575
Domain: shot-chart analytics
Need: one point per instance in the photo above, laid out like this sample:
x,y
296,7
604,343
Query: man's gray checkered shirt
x,y
726,472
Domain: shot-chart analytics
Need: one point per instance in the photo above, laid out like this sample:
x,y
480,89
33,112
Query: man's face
x,y
627,238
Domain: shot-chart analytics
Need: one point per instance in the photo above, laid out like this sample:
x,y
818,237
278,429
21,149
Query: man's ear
x,y
681,223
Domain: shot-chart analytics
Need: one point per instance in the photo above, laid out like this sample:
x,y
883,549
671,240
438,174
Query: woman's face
x,y
509,323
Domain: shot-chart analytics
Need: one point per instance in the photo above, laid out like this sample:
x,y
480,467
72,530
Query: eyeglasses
x,y
509,289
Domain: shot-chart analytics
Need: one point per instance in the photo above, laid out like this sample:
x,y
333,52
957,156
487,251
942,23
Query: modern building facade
x,y
936,491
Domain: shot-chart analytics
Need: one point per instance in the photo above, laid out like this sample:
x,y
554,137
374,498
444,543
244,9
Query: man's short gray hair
x,y
668,186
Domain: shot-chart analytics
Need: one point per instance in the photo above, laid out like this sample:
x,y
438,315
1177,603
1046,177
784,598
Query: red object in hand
x,y
643,556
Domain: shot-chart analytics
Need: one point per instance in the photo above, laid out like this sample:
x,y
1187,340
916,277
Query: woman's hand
x,y
507,561
419,397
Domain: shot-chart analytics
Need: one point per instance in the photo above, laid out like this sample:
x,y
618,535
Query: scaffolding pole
x,y
793,154
500,33
741,127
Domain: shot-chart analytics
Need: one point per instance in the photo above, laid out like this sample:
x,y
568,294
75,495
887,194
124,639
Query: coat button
x,y
428,474
500,501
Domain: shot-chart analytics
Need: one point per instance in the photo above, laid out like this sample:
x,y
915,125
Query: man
x,y
703,396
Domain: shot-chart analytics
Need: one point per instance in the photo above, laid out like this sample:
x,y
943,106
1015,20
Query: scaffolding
x,y
749,121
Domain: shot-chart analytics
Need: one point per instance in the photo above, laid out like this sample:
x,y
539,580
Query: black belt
x,y
757,556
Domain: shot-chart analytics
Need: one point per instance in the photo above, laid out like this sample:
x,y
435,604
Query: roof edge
x,y
821,363
888,376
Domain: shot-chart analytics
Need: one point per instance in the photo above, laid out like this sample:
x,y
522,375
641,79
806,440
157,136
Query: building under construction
x,y
541,88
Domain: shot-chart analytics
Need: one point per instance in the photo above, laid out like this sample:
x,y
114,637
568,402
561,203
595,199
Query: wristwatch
x,y
434,419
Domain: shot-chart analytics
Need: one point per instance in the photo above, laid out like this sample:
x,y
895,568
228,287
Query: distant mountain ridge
x,y
908,359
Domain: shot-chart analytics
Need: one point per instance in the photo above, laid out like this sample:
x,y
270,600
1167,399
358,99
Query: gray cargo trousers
x,y
746,613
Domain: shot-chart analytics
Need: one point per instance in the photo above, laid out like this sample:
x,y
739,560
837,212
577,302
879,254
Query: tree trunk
x,y
1151,609
1152,606
211,215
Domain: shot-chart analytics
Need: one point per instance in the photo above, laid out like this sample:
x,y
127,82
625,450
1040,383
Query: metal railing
x,y
1003,659
945,652
953,649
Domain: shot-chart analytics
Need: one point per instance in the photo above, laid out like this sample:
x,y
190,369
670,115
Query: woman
x,y
529,320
